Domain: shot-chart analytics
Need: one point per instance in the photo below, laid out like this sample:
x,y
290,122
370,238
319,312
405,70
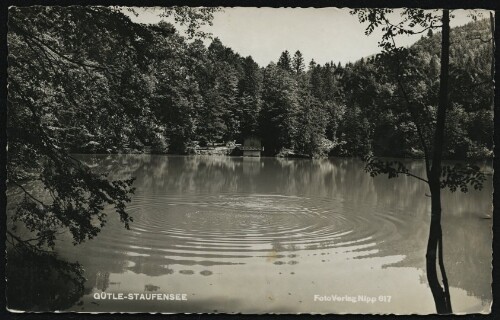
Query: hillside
x,y
153,91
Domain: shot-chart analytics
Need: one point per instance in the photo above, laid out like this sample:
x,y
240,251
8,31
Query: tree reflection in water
x,y
39,281
179,196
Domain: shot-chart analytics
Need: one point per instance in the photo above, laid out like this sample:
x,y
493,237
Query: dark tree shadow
x,y
39,281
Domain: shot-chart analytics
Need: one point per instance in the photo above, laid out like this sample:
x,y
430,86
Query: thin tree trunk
x,y
434,256
492,25
441,295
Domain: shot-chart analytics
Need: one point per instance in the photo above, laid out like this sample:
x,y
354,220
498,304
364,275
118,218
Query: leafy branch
x,y
454,177
392,169
461,176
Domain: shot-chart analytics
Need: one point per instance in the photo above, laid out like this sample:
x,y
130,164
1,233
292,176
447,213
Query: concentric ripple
x,y
208,229
266,235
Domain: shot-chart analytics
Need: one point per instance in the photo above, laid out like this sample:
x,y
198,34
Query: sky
x,y
325,34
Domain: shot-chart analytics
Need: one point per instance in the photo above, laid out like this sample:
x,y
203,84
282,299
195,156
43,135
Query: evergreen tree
x,y
312,64
298,62
249,99
284,61
311,127
278,118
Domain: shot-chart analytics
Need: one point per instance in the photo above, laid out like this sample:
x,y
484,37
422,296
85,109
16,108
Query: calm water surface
x,y
267,235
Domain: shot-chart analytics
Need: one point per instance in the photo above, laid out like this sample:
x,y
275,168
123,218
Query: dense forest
x,y
145,88
89,80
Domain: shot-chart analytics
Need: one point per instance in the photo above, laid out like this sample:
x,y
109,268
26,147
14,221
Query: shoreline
x,y
304,157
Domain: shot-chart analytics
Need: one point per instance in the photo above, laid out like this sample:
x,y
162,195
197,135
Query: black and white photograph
x,y
250,160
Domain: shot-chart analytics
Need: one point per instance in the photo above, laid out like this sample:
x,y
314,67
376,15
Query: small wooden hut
x,y
252,147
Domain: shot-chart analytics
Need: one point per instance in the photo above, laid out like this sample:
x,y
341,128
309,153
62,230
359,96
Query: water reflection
x,y
39,281
283,230
102,281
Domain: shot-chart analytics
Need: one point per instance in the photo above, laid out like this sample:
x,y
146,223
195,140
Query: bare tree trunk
x,y
441,295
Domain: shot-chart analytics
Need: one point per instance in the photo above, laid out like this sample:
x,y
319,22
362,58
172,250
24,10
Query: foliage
x,y
285,61
164,94
31,272
430,128
298,62
278,117
416,73
80,80
461,176
89,80
453,177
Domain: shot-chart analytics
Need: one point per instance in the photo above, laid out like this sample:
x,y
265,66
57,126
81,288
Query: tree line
x,y
158,91
89,80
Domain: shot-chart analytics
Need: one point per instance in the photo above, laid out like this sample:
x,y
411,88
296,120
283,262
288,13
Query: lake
x,y
261,235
